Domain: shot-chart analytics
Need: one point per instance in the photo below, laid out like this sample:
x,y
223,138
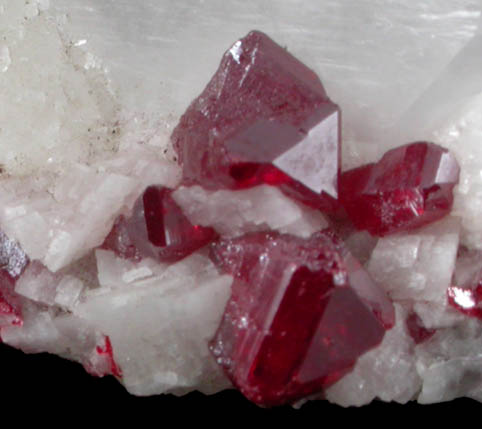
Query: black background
x,y
51,384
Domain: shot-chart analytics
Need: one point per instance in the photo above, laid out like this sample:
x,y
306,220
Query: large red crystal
x,y
263,118
157,229
409,187
301,312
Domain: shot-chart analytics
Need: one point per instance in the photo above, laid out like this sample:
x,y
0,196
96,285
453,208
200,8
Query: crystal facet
x,y
263,118
157,229
301,312
409,187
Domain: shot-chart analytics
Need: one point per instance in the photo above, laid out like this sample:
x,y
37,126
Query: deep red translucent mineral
x,y
300,314
409,187
263,118
417,331
158,229
13,262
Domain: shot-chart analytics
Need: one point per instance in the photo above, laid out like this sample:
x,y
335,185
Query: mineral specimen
x,y
115,256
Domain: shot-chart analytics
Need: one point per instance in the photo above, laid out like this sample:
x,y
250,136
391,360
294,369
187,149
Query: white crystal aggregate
x,y
417,266
160,328
88,103
387,372
260,208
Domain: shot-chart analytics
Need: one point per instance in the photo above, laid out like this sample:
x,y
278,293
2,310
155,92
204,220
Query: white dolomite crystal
x,y
417,266
160,329
87,106
260,208
387,372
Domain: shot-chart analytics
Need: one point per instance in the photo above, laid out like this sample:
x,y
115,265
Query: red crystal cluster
x,y
302,310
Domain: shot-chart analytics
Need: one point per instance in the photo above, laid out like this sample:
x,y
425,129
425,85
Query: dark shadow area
x,y
47,382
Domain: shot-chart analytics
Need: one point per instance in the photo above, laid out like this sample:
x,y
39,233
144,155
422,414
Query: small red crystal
x,y
409,187
9,315
301,312
417,331
263,118
107,351
157,229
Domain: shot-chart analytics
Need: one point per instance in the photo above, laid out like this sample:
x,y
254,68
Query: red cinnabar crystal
x,y
108,352
157,229
263,118
301,312
409,187
417,331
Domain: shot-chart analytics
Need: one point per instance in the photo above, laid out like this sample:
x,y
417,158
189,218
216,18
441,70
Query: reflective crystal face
x,y
157,229
263,118
301,312
409,187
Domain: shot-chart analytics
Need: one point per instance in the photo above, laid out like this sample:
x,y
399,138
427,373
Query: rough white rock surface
x,y
87,106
